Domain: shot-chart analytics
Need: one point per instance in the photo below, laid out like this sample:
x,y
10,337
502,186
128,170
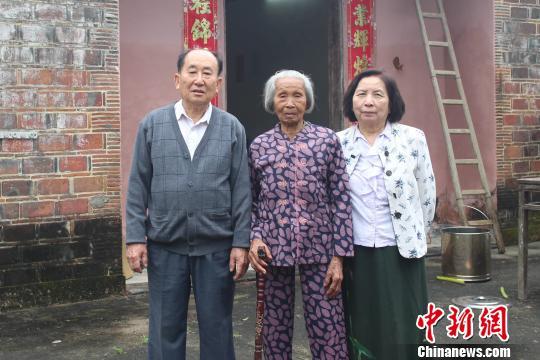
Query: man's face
x,y
198,80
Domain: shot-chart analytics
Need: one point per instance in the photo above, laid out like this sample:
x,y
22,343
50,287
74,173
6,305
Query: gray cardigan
x,y
196,206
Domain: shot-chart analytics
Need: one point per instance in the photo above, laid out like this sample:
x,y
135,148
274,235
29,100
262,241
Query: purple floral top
x,y
301,204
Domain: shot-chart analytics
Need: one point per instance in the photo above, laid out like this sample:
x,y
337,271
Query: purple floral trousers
x,y
324,317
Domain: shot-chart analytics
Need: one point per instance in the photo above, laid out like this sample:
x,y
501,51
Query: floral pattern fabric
x,y
409,184
301,203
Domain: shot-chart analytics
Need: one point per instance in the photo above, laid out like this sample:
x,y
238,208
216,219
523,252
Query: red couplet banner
x,y
360,36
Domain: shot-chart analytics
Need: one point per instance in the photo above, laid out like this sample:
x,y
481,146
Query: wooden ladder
x,y
448,132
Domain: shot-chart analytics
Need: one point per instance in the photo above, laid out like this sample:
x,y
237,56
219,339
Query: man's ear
x,y
219,83
177,81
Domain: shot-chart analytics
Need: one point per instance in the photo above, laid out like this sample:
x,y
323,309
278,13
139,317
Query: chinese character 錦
x,y
201,30
494,321
460,322
201,6
360,13
429,320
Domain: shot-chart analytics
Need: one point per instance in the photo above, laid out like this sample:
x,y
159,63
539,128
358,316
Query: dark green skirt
x,y
384,293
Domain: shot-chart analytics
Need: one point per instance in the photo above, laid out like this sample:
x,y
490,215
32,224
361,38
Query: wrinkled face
x,y
370,101
290,101
198,80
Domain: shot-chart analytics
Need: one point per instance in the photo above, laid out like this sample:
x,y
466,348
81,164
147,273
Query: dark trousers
x,y
170,279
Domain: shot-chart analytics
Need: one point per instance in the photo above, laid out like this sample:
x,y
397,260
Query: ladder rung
x,y
473,192
459,131
480,222
466,161
452,102
431,15
438,43
445,72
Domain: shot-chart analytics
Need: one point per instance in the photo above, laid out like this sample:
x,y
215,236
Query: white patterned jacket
x,y
409,183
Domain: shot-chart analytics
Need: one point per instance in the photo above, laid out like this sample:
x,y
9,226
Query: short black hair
x,y
396,105
182,58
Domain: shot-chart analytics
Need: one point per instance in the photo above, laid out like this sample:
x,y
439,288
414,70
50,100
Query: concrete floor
x,y
116,327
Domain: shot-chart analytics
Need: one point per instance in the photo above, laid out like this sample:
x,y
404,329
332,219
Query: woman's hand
x,y
334,277
258,264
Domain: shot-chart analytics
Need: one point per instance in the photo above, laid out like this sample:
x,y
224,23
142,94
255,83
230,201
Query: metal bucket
x,y
466,253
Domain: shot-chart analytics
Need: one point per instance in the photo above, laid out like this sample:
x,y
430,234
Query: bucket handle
x,y
478,210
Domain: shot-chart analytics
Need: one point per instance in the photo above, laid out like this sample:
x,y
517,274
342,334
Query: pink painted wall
x,y
471,25
150,39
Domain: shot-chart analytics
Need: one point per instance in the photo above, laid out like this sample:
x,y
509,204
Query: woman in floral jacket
x,y
393,198
301,216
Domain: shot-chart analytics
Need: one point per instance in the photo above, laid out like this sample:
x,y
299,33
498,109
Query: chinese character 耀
x,y
360,13
201,30
201,6
360,64
361,39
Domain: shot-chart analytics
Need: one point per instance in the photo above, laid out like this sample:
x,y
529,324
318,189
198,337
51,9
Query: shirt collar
x,y
180,111
385,134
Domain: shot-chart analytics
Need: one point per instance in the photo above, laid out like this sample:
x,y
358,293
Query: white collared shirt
x,y
372,221
192,132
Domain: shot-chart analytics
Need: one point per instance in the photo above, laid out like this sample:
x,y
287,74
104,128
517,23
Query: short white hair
x,y
270,89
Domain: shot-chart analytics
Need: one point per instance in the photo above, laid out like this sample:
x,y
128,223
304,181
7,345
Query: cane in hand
x,y
260,308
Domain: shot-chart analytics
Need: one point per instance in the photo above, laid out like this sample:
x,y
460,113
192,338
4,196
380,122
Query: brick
x,y
8,32
520,136
38,165
511,1
25,98
527,28
9,255
88,184
53,230
512,152
520,104
37,33
72,206
7,77
87,15
510,26
71,121
530,150
519,12
520,57
54,56
50,12
9,166
533,43
529,2
88,141
534,72
16,233
535,135
536,103
35,121
520,73
53,186
55,99
87,57
535,13
15,10
16,55
535,165
511,88
531,120
8,121
71,35
36,209
86,99
36,76
54,142
70,78
17,145
9,211
16,187
530,89
520,167
73,163
18,277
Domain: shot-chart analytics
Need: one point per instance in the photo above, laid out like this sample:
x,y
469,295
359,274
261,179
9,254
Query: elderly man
x,y
188,212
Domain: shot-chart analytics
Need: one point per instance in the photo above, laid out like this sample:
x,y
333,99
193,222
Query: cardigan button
x,y
388,173
397,215
190,184
186,156
386,153
190,214
395,196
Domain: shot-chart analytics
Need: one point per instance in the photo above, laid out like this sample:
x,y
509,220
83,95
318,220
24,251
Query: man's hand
x,y
258,264
334,277
238,262
137,257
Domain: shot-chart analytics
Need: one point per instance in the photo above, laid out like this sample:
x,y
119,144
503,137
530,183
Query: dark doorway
x,y
264,36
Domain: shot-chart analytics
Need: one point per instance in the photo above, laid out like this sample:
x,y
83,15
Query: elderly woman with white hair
x,y
301,217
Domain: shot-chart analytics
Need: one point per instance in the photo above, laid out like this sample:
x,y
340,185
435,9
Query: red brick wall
x,y
59,78
517,58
